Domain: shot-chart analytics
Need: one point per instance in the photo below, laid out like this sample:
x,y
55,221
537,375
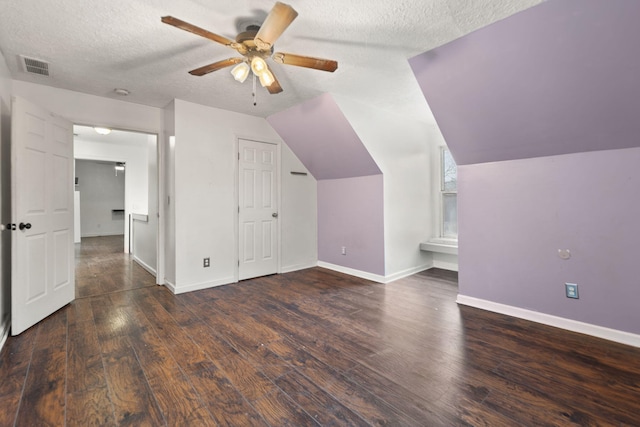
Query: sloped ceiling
x,y
561,77
320,135
97,46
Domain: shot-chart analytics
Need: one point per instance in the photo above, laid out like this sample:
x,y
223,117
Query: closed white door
x,y
258,211
42,252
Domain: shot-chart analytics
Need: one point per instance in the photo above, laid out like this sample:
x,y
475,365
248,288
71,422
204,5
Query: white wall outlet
x,y
206,262
571,290
343,250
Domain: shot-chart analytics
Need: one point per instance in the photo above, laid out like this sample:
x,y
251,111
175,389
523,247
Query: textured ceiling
x,y
96,46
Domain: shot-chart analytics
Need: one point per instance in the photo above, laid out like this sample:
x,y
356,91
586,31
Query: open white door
x,y
42,277
258,214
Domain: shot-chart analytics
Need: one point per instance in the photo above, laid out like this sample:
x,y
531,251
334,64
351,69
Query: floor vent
x,y
35,66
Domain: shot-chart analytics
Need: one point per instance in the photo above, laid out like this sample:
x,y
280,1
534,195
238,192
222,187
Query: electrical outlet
x,y
206,262
571,289
343,250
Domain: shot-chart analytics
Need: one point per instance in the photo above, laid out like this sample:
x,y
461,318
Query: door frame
x,y
236,195
160,238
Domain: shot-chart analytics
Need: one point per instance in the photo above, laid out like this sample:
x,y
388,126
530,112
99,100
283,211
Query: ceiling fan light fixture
x,y
255,43
102,131
240,72
258,66
266,78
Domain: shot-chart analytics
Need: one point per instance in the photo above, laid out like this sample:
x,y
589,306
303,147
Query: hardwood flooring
x,y
102,267
310,348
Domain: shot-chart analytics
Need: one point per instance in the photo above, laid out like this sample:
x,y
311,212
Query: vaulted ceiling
x,y
558,78
95,47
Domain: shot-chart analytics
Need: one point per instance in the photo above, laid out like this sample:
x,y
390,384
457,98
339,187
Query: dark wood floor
x,y
102,267
310,348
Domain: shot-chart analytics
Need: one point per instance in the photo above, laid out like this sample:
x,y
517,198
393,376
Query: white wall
x,y
101,192
167,204
5,199
85,109
402,149
133,150
298,215
205,201
144,234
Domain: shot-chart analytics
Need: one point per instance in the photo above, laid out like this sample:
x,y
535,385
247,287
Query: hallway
x,y
102,267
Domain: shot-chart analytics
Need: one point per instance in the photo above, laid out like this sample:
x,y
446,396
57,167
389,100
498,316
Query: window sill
x,y
443,246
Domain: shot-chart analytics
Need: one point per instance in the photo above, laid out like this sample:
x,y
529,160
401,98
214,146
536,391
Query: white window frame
x,y
439,194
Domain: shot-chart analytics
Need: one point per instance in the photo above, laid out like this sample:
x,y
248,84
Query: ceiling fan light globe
x,y
240,72
258,65
266,78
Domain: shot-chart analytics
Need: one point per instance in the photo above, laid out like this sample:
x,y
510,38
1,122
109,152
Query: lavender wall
x,y
323,139
561,77
515,215
350,214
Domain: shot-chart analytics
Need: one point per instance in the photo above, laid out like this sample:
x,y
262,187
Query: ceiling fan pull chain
x,y
255,102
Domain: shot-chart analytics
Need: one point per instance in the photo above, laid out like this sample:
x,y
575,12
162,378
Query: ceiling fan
x,y
256,46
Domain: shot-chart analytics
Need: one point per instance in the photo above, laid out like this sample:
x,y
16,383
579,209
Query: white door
x,y
42,251
258,213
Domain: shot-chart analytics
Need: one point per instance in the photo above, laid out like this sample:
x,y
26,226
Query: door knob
x,y
22,226
275,214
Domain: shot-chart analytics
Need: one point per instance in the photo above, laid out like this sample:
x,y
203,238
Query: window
x,y
449,196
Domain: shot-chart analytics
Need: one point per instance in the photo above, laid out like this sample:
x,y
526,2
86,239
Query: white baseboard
x,y
407,272
198,286
352,272
4,331
145,266
550,320
170,285
290,268
103,234
375,277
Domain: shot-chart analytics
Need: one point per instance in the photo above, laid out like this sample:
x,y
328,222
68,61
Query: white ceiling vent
x,y
35,66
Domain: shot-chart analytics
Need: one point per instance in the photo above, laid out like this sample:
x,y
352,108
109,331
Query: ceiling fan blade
x,y
306,61
197,30
275,86
215,66
280,17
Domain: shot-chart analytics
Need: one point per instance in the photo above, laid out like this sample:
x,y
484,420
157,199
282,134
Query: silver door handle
x,y
275,214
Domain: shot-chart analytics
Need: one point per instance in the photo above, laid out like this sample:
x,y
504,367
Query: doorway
x,y
100,210
116,203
